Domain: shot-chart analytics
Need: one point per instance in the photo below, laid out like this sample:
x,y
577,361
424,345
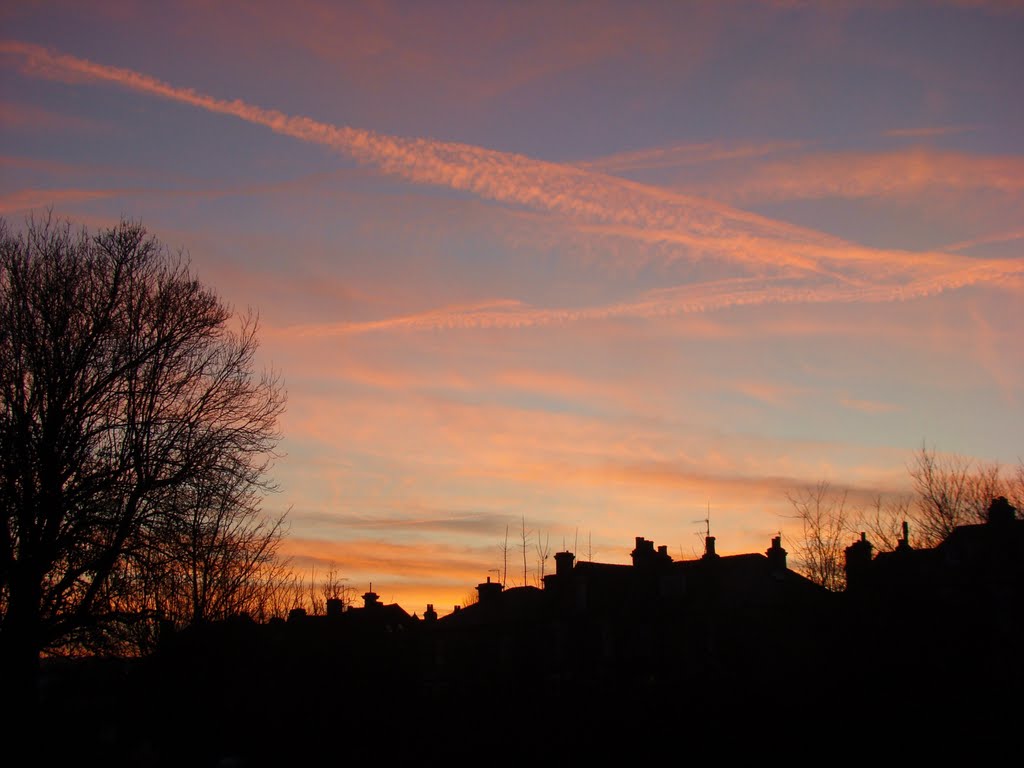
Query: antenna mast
x,y
706,520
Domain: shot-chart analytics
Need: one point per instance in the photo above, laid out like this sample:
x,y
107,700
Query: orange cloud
x,y
766,392
492,462
410,574
366,555
468,439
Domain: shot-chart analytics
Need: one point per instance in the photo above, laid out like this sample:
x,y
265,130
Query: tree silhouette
x,y
135,437
954,490
949,490
824,518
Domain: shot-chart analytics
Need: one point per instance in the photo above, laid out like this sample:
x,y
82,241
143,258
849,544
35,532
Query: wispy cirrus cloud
x,y
882,174
409,520
782,262
679,155
700,297
923,132
868,406
493,439
494,175
995,237
26,117
26,200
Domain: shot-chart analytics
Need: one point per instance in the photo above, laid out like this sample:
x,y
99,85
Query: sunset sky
x,y
598,267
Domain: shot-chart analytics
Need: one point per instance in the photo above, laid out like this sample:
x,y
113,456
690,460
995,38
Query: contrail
x,y
815,267
501,176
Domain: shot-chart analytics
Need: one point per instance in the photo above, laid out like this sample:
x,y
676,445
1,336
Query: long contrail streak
x,y
781,262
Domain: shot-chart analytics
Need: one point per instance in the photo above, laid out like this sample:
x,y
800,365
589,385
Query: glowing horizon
x,y
601,272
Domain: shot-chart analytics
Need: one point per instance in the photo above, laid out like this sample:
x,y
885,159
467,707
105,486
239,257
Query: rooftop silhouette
x,y
718,645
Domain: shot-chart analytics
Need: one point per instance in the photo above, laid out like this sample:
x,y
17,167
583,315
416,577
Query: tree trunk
x,y
21,638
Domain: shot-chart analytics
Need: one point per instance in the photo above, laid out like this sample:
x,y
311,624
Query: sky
x,y
581,270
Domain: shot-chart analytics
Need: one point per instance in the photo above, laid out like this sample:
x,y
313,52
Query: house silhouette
x,y
604,658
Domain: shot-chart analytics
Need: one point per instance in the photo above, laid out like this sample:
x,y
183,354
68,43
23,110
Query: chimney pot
x,y
709,546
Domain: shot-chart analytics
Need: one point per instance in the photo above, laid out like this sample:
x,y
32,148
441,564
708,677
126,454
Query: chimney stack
x,y
776,555
487,591
858,560
904,544
709,547
563,563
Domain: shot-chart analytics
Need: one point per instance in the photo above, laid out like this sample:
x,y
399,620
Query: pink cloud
x,y
884,174
868,406
996,237
929,131
25,117
383,46
768,392
28,200
687,154
662,303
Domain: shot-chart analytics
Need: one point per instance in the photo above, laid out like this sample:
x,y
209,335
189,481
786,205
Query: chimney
x,y
430,614
858,560
1001,512
296,614
709,547
643,553
335,606
563,563
776,556
904,544
487,591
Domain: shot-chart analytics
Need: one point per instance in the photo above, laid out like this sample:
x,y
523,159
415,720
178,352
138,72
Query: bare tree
x,y
883,519
825,525
133,427
317,604
216,556
1015,487
334,587
525,546
951,490
543,553
504,558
